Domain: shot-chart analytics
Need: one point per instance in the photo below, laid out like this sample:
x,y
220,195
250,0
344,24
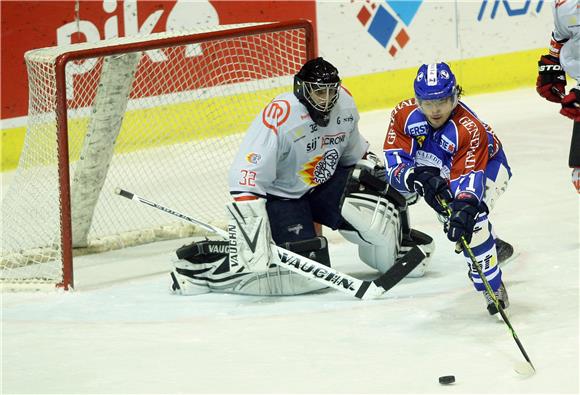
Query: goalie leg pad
x,y
374,218
375,225
204,267
283,282
383,257
250,235
276,281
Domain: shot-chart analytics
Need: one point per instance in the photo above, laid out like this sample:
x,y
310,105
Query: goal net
x,y
161,116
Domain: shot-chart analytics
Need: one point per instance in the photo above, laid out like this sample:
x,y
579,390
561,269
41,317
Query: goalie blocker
x,y
375,218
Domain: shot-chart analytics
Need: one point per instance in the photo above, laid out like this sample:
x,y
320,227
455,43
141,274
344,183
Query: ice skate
x,y
502,297
505,252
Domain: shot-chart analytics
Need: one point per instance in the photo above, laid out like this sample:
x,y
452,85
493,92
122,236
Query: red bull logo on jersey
x,y
319,170
275,114
387,21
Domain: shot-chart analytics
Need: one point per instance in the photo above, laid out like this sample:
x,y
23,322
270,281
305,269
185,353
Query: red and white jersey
x,y
566,36
285,153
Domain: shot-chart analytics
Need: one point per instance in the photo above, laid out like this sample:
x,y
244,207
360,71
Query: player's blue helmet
x,y
435,81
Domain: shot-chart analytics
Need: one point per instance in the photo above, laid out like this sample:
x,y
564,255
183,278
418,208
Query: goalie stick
x,y
362,289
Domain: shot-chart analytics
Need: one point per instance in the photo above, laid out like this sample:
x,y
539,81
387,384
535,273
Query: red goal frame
x,y
61,106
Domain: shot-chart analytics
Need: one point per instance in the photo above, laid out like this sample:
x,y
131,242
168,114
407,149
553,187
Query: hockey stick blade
x,y
361,289
401,268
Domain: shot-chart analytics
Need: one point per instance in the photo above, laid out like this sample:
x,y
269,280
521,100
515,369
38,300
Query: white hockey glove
x,y
250,235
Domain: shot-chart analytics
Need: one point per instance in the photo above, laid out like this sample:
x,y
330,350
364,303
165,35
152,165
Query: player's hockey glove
x,y
550,75
426,181
464,209
571,105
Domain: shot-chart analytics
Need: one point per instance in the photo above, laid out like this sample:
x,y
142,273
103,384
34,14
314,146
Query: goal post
x,y
161,114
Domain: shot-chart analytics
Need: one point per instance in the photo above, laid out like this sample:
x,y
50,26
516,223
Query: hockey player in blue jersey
x,y
436,146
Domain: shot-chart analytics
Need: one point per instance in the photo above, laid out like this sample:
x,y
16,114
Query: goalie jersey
x,y
285,153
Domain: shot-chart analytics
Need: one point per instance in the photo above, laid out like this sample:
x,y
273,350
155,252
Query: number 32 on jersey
x,y
248,178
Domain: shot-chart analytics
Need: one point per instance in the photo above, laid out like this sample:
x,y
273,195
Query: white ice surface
x,y
121,331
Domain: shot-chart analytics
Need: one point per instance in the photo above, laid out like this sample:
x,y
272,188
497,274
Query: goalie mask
x,y
316,86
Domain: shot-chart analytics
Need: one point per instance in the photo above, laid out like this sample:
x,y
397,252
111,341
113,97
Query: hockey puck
x,y
446,380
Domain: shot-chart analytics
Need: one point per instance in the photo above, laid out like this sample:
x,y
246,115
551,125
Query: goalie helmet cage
x,y
161,115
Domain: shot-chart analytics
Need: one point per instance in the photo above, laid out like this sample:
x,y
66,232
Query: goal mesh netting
x,y
161,116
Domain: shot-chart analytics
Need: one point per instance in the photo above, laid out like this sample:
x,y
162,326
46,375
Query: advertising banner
x,y
376,44
37,24
373,36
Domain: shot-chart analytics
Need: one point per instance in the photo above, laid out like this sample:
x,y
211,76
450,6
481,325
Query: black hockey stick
x,y
362,289
529,368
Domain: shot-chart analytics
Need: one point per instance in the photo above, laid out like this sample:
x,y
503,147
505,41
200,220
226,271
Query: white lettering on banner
x,y
183,16
64,36
111,24
132,27
473,130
